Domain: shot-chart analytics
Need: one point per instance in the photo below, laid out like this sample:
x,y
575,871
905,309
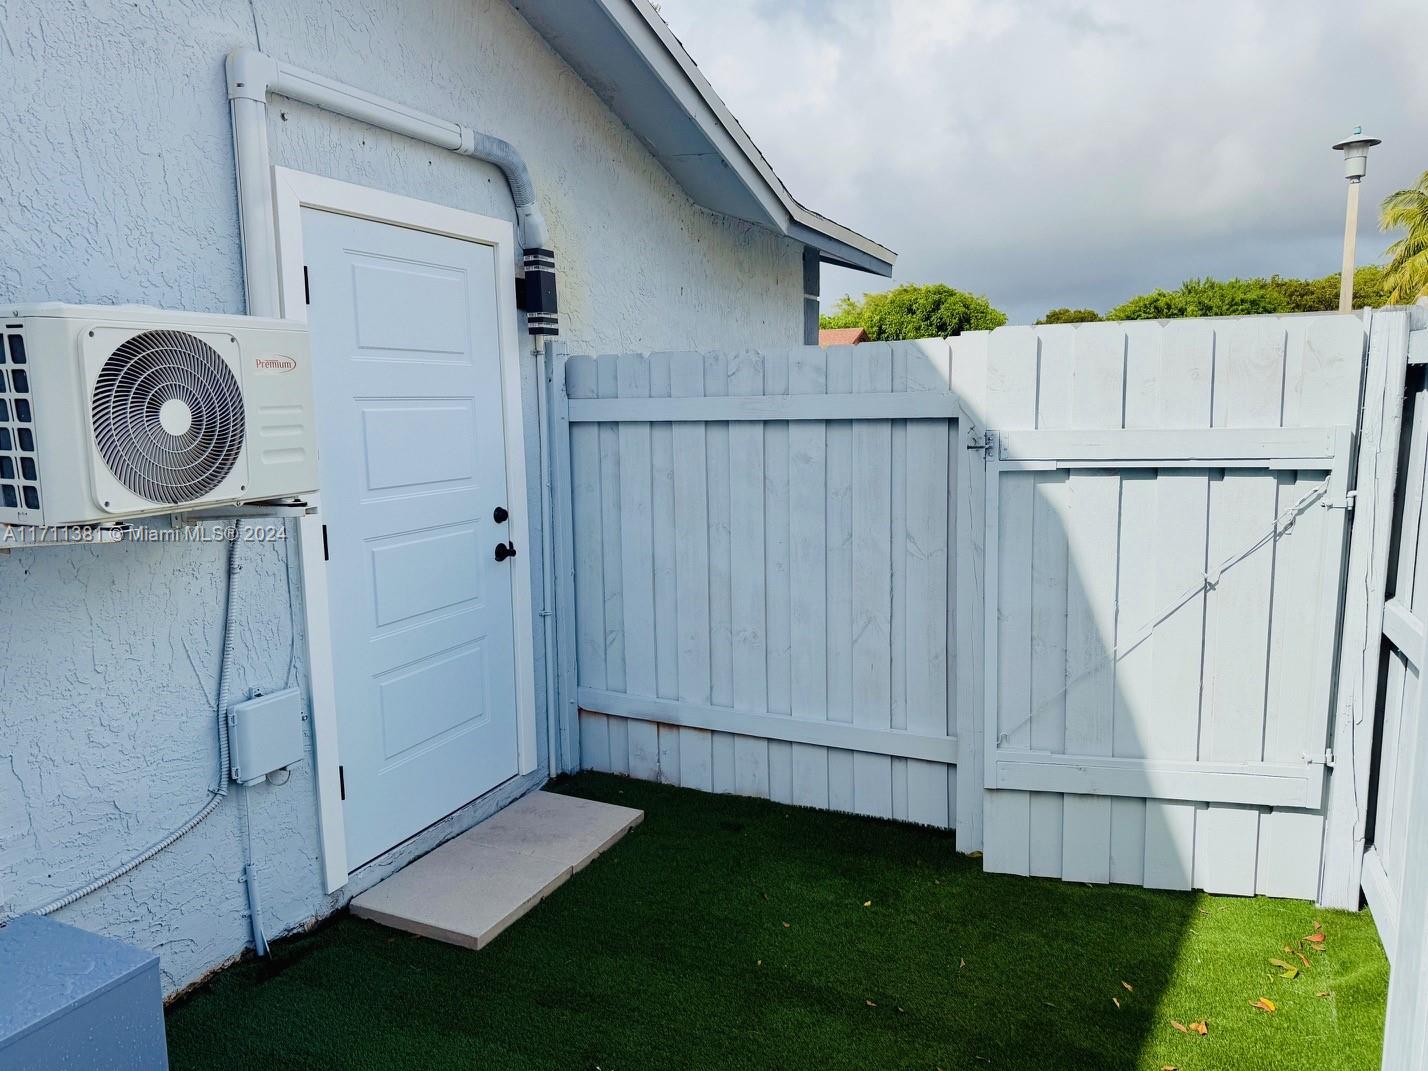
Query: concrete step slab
x,y
471,888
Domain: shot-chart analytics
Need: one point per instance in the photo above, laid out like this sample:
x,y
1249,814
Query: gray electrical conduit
x,y
216,795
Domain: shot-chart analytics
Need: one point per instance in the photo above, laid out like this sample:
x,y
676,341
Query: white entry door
x,y
406,348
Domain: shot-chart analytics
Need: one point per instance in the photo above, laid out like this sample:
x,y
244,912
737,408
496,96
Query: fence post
x,y
1365,580
559,415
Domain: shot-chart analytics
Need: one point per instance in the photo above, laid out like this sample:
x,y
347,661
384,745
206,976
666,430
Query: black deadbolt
x,y
500,516
504,551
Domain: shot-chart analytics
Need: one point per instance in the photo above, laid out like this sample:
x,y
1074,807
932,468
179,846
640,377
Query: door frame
x,y
292,192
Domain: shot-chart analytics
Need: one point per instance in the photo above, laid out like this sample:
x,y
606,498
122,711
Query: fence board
x,y
808,662
871,503
967,578
778,586
1046,816
1182,502
1098,387
1012,366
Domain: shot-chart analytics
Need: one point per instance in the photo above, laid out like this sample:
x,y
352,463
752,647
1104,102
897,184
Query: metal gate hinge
x,y
984,441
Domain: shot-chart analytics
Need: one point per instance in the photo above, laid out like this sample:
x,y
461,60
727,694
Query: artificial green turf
x,y
733,933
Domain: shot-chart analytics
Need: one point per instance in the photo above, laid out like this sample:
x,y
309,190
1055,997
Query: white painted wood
x,y
1011,402
777,580
1398,721
1168,447
1091,538
1287,784
666,613
879,742
1367,573
1418,346
1406,1028
1049,584
1381,892
871,504
637,566
966,610
923,554
611,487
748,600
1181,516
1319,385
1249,378
868,405
566,605
691,537
1133,718
808,528
721,550
587,525
839,565
820,513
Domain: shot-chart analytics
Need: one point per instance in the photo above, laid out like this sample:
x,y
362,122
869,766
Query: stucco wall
x,y
116,185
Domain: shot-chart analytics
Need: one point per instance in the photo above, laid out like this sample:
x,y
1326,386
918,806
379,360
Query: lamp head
x,y
1356,147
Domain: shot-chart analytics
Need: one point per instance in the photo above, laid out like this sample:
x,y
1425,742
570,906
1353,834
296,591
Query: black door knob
x,y
504,551
500,516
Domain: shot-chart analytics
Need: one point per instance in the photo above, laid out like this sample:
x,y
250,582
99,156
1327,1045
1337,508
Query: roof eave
x,y
627,54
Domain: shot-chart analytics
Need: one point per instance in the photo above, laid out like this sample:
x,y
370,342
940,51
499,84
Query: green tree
x,y
911,311
1203,297
1322,295
1070,316
1406,279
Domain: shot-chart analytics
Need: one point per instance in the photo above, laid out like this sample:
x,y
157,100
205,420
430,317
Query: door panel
x,y
413,464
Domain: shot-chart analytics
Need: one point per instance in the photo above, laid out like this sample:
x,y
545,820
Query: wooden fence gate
x,y
1072,590
1166,510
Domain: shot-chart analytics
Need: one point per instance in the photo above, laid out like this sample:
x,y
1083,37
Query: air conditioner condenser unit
x,y
114,412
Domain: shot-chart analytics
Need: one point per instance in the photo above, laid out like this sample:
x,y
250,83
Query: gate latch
x,y
984,441
1325,759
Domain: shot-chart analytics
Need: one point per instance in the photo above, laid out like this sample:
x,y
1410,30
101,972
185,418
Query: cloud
x,y
1074,152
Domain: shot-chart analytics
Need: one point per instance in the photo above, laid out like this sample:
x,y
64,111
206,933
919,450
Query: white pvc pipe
x,y
254,75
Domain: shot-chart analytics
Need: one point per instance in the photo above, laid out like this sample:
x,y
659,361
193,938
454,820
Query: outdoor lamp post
x,y
1356,148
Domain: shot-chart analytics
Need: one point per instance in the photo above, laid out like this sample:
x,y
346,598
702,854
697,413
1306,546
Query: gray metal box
x,y
73,999
265,734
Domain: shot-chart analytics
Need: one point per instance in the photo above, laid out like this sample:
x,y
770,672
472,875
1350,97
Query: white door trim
x,y
292,192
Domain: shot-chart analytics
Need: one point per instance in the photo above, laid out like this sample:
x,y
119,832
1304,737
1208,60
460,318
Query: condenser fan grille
x,y
168,416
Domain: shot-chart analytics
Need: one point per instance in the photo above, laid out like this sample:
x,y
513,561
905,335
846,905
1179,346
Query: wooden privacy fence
x,y
1073,590
764,576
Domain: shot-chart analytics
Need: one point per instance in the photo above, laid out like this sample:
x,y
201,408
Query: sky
x,y
1050,153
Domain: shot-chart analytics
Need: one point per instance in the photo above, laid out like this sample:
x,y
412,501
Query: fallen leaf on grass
x,y
1315,938
1180,1026
1286,970
1116,1001
1264,1004
974,855
1170,1067
1326,993
1200,1026
867,903
1303,957
870,1003
785,925
1129,988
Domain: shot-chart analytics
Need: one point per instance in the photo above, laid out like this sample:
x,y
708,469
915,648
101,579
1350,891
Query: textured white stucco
x,y
116,185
